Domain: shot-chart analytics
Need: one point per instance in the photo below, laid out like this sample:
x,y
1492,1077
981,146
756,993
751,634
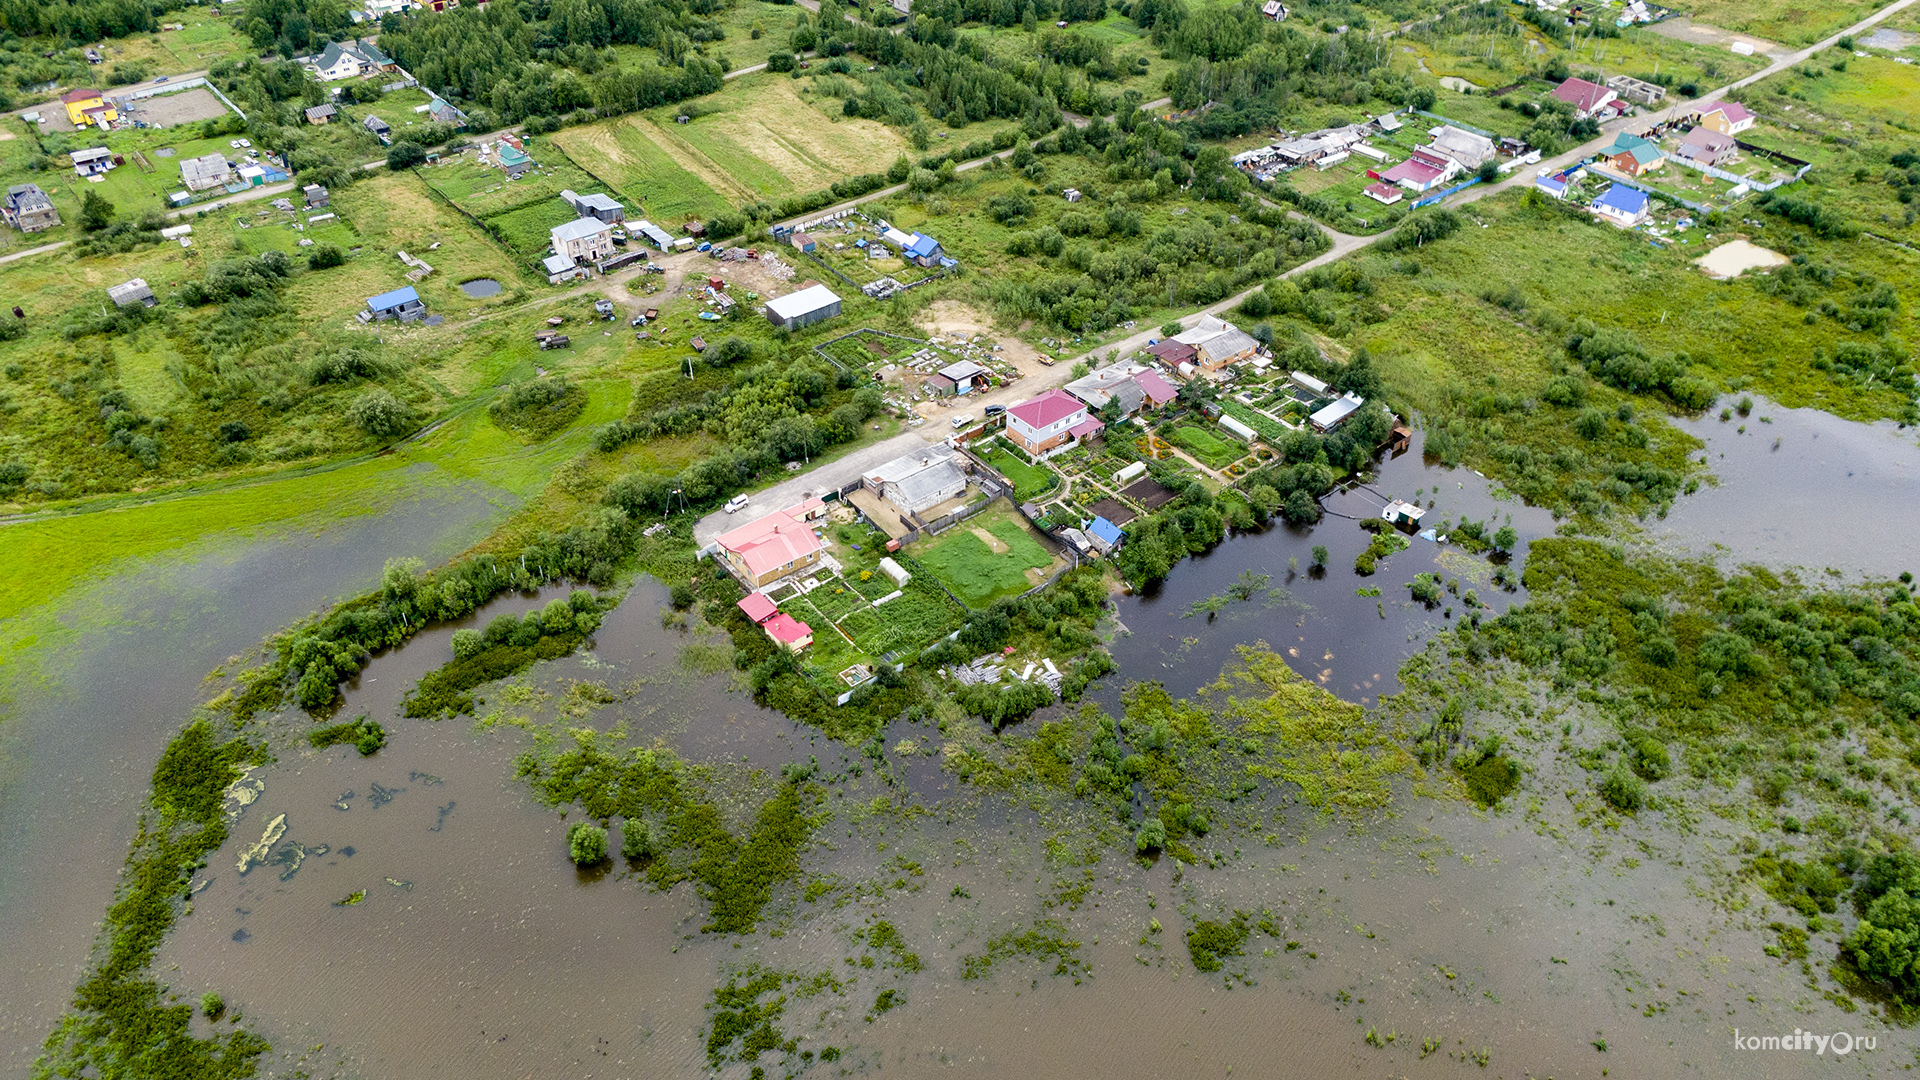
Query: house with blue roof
x,y
1105,534
923,250
402,304
1622,205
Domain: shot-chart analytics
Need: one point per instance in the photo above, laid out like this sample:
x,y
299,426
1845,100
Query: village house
x,y
1705,146
1728,117
1422,172
1633,155
87,107
1587,98
923,250
321,114
769,548
513,161
810,305
1561,182
92,161
341,61
917,482
1462,146
440,111
1176,354
206,173
29,209
598,206
1384,194
132,292
1217,343
315,195
1048,424
403,304
1622,206
584,240
1274,9
959,378
1124,387
785,630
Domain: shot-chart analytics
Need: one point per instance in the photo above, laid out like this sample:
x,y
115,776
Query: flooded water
x,y
83,745
1349,643
1803,488
480,287
476,950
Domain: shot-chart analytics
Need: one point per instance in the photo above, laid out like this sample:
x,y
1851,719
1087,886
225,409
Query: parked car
x,y
995,410
962,420
736,504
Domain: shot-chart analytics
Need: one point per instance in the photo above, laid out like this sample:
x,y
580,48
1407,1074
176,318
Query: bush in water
x,y
587,843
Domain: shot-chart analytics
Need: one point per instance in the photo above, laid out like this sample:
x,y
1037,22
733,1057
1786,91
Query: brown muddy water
x,y
479,951
1804,488
81,743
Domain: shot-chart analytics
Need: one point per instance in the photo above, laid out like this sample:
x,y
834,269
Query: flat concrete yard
x,y
186,107
1729,260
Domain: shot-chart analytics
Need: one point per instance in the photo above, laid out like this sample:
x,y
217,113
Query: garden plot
x,y
988,556
859,616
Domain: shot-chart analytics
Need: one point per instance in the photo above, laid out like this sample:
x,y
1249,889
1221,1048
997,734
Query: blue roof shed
x,y
1105,531
387,301
923,246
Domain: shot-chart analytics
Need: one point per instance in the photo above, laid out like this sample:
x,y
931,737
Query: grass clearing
x,y
1211,450
971,566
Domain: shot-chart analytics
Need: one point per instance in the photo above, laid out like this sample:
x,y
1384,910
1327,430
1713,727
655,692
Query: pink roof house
x,y
788,632
774,546
1046,423
1585,97
758,607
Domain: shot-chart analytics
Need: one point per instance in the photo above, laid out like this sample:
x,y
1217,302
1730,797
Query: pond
x,y
480,287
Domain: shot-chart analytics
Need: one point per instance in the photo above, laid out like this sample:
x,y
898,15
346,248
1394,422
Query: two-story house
x,y
584,240
1053,422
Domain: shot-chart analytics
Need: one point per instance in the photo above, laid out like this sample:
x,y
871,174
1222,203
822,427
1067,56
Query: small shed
x,y
402,304
321,114
1105,535
315,195
1337,413
377,126
758,607
802,242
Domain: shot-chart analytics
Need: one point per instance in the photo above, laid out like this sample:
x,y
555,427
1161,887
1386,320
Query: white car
x,y
245,143
736,504
962,420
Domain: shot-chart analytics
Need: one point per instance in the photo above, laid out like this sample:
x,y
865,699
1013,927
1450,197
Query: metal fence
x,y
1434,197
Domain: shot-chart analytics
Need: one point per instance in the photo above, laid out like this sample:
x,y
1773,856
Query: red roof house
x,y
1727,117
1418,174
1174,352
1585,97
758,607
1384,193
788,632
774,546
1156,387
1046,423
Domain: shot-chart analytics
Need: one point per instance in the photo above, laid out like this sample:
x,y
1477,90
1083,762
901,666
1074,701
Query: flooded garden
x,y
946,897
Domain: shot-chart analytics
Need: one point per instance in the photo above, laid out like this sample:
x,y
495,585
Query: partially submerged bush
x,y
587,843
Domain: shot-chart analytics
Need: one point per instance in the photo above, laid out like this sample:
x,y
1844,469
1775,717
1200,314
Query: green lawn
x,y
1211,450
1029,481
976,573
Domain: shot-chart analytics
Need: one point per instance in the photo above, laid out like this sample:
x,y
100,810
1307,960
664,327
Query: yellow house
x,y
87,107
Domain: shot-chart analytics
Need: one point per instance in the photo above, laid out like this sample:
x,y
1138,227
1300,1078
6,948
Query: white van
x,y
962,421
736,504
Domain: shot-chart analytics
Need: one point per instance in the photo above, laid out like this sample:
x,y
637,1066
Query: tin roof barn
x,y
1337,413
810,305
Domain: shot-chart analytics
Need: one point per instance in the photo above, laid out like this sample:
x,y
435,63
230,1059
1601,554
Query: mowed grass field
x,y
980,570
757,139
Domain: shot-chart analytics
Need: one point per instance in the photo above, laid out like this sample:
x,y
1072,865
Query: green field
x,y
1029,481
972,569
